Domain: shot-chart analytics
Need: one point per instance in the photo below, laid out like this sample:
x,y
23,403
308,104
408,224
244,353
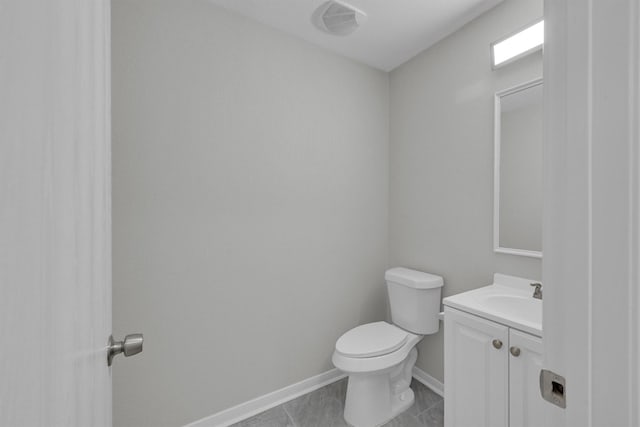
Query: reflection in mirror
x,y
518,170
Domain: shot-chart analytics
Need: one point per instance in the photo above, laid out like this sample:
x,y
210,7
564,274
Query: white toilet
x,y
379,356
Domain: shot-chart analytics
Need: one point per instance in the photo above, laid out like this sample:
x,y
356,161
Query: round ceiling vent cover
x,y
338,18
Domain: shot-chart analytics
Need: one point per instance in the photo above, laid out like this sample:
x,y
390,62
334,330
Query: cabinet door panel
x,y
526,407
476,372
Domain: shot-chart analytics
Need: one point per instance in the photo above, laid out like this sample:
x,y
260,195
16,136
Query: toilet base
x,y
374,398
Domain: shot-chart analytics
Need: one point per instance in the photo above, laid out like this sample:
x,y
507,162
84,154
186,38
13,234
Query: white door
x,y
55,224
526,407
476,372
592,212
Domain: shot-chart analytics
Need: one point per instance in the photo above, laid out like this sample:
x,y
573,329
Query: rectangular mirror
x,y
517,215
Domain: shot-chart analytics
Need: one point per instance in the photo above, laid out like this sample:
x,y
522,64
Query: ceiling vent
x,y
338,18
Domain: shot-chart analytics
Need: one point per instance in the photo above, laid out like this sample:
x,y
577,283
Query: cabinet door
x,y
526,407
476,371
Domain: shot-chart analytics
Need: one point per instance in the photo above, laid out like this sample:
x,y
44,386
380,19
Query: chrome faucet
x,y
537,293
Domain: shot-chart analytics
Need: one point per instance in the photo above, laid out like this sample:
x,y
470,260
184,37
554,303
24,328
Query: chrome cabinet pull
x,y
497,344
515,351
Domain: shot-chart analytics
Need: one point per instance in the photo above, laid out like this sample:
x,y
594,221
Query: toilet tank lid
x,y
413,278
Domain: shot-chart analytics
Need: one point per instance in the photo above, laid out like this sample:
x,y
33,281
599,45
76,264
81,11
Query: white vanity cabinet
x,y
491,373
476,374
526,406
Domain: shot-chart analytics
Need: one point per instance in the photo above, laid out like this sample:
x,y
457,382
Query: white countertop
x,y
509,301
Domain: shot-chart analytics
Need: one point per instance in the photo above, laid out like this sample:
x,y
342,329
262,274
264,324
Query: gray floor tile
x,y
404,420
325,408
340,388
321,408
276,417
434,416
425,398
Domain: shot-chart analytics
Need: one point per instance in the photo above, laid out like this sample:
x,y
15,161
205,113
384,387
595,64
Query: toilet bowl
x,y
379,372
379,357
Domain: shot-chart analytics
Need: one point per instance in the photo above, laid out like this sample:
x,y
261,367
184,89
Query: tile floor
x,y
324,407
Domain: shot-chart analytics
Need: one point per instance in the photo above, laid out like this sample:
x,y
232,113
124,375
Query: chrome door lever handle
x,y
131,345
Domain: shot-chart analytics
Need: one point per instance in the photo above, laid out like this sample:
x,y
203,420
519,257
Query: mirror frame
x,y
496,170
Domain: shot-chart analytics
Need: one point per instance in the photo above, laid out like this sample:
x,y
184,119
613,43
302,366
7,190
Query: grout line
x,y
434,405
430,408
289,415
441,399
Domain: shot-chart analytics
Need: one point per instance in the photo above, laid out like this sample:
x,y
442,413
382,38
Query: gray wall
x,y
441,159
250,198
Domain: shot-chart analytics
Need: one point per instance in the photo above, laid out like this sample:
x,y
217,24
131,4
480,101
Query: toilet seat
x,y
353,365
371,340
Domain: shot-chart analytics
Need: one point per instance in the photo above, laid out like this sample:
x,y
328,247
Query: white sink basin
x,y
508,301
527,309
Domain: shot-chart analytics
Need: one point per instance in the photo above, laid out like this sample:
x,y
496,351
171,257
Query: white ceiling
x,y
395,30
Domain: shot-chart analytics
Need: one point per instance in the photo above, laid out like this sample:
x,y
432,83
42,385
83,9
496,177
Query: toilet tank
x,y
414,299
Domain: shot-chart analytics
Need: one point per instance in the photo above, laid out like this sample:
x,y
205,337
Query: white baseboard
x,y
428,381
252,407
